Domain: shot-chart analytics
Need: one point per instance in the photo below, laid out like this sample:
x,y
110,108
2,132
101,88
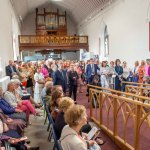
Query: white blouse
x,y
10,98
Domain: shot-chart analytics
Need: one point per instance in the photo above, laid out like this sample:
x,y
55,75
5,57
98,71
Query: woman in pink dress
x,y
147,68
44,71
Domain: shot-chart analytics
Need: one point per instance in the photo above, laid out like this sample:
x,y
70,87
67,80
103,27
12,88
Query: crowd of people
x,y
72,74
54,81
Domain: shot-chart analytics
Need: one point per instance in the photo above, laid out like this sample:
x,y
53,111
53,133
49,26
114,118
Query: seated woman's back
x,y
70,140
64,104
59,124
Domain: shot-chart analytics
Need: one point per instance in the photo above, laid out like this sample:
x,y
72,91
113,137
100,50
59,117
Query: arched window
x,y
106,42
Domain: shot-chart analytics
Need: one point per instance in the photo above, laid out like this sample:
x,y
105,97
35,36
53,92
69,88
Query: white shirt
x,y
135,70
126,72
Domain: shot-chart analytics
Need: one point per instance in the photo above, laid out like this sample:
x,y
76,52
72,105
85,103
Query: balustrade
x,y
120,117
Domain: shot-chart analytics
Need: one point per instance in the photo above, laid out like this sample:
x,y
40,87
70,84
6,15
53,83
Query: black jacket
x,y
9,71
73,77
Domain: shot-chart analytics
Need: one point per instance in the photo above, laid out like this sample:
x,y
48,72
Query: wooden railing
x,y
135,83
138,90
27,42
52,40
120,117
123,94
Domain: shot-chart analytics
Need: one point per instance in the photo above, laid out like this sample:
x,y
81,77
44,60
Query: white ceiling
x,y
78,10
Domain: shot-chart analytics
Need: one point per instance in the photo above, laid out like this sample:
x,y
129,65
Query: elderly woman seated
x,y
23,94
12,112
48,84
71,138
14,100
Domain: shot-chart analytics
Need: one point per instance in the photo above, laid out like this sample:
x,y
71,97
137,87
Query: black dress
x,y
73,77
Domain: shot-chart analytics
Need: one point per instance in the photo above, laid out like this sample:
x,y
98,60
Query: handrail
x,y
111,108
135,83
141,91
124,94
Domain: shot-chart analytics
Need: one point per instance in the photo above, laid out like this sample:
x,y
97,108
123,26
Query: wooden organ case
x,y
51,23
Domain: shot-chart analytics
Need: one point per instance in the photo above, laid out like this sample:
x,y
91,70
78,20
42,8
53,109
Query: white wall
x,y
7,28
128,31
29,26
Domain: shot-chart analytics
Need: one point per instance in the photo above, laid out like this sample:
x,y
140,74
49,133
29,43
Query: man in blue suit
x,y
60,77
91,71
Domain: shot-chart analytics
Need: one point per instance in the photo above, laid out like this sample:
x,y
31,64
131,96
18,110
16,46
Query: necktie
x,y
93,72
62,74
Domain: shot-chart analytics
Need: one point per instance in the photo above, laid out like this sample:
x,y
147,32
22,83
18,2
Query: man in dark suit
x,y
11,69
60,77
91,71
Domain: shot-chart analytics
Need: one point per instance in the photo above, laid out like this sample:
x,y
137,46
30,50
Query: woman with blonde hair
x,y
135,76
141,71
70,139
73,82
39,84
14,100
64,105
54,103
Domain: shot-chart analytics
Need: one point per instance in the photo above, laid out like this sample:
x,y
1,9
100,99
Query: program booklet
x,y
91,134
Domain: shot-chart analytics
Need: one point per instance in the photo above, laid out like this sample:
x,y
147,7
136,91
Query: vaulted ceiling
x,y
78,10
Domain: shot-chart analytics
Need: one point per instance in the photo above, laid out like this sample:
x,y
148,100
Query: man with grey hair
x,y
11,69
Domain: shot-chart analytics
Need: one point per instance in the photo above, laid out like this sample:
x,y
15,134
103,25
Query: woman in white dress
x,y
111,75
125,75
104,70
39,84
135,76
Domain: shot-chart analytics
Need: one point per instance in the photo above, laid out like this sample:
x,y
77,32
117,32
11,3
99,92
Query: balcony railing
x,y
52,40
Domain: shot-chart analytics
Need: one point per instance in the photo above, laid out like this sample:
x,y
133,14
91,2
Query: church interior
x,y
75,74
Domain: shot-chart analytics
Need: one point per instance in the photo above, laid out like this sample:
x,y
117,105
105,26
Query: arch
x,y
103,38
106,42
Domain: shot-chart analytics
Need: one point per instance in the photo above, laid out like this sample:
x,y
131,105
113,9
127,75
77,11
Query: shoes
x,y
99,141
